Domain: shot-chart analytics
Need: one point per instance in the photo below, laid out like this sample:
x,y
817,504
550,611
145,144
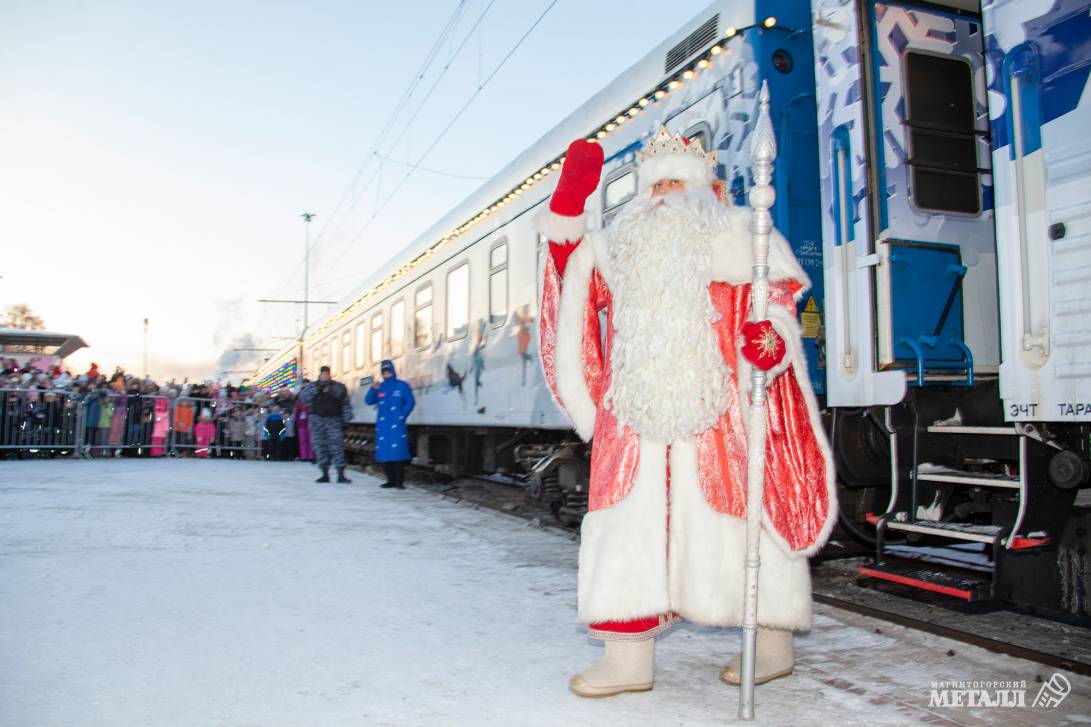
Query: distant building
x,y
42,349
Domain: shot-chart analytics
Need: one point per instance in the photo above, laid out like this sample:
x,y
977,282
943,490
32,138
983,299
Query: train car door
x,y
1040,95
931,190
908,236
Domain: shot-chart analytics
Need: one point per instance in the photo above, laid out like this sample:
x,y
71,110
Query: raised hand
x,y
579,178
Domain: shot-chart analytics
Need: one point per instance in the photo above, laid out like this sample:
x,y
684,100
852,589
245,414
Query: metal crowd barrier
x,y
40,422
217,427
105,423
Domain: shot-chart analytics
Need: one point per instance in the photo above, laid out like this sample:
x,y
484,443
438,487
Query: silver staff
x,y
763,150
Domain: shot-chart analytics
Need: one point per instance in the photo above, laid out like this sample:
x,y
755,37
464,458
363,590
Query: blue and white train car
x,y
933,181
955,230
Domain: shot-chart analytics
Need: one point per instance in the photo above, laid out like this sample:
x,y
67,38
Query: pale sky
x,y
155,157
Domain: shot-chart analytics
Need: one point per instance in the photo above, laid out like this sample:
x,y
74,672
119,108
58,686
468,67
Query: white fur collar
x,y
733,259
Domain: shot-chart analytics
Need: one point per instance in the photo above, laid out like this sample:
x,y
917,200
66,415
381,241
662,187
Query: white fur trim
x,y
686,167
623,548
786,326
707,553
559,228
568,367
733,259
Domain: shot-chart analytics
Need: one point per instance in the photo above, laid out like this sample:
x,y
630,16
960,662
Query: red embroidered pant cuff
x,y
635,630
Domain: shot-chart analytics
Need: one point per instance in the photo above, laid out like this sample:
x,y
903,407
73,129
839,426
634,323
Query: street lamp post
x,y
307,217
145,348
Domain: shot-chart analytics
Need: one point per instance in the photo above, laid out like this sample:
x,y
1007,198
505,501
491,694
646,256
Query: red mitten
x,y
579,177
560,252
762,345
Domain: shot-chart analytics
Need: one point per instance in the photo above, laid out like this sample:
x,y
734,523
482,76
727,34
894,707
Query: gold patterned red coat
x,y
652,543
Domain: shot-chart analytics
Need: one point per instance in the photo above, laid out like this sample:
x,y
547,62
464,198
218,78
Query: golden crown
x,y
663,143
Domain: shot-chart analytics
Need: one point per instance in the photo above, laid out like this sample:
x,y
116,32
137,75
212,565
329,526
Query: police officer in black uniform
x,y
330,409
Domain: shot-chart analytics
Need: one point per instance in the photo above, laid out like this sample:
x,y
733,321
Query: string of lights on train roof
x,y
672,84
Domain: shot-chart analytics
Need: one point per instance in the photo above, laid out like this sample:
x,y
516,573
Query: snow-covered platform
x,y
185,592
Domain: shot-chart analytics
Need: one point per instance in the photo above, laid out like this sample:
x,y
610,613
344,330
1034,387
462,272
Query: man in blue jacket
x,y
394,400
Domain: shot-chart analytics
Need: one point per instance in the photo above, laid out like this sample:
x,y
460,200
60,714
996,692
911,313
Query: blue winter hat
x,y
387,365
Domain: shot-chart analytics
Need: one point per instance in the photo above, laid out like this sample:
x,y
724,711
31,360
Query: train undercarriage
x,y
550,466
979,510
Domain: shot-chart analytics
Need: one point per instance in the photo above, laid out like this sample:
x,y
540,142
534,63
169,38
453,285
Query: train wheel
x,y
854,503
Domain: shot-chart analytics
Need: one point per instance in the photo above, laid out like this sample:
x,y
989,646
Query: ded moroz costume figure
x,y
664,396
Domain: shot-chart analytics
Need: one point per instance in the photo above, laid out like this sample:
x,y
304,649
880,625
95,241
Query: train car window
x,y
397,329
458,301
346,351
620,187
942,134
376,337
498,283
361,345
422,317
736,81
701,133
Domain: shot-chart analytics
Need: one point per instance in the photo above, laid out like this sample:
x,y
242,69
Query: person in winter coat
x,y
252,433
663,393
236,432
393,399
288,449
160,424
33,420
92,403
204,432
330,410
116,438
272,434
134,427
183,421
106,417
301,415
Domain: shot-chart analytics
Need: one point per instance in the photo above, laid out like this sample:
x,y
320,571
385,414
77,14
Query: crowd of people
x,y
51,411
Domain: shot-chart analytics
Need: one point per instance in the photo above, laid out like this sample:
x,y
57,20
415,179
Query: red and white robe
x,y
665,534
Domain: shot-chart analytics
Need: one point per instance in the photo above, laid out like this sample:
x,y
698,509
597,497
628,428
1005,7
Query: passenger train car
x,y
934,183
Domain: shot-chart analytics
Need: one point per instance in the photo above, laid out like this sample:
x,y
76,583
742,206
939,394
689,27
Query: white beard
x,y
668,378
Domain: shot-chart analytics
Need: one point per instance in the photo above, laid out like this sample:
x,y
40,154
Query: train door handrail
x,y
1021,67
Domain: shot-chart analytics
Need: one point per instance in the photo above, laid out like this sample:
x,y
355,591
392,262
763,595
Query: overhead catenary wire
x,y
414,166
418,77
448,29
451,123
430,171
377,174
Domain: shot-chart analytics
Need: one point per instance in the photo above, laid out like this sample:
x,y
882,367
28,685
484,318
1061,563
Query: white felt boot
x,y
627,666
776,658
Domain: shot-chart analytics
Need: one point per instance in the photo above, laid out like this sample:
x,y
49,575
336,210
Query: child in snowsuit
x,y
204,432
272,434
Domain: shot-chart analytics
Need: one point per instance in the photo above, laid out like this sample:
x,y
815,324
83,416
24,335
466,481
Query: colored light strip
x,y
285,375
